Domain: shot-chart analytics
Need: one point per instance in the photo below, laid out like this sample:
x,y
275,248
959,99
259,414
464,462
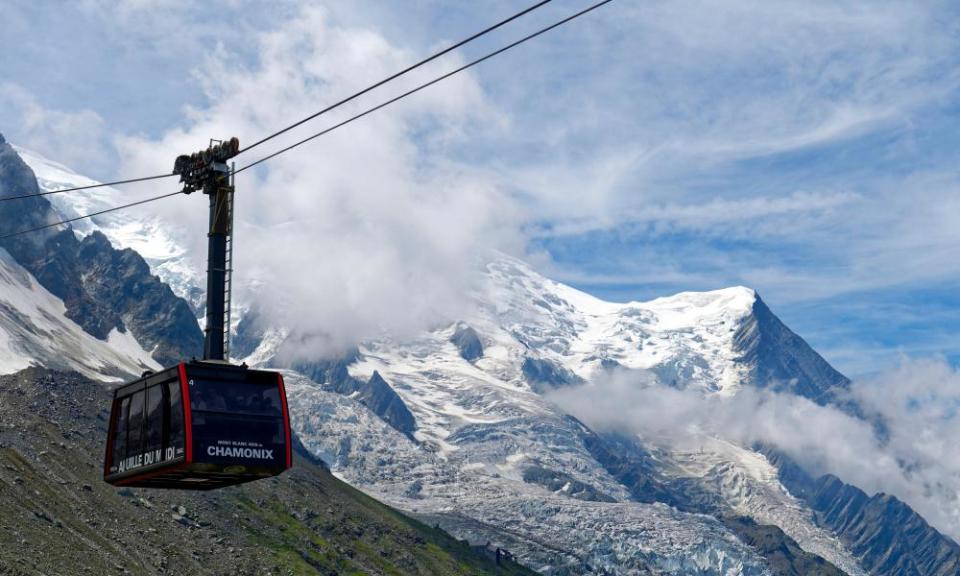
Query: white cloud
x,y
359,231
634,116
752,217
715,143
919,402
73,137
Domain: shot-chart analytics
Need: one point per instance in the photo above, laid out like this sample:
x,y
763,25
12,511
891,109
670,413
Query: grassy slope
x,y
58,517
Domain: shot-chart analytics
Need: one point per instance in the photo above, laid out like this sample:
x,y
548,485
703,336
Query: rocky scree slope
x,y
57,517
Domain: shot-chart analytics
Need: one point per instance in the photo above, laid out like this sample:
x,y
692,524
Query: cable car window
x,y
236,397
135,429
120,434
175,438
154,416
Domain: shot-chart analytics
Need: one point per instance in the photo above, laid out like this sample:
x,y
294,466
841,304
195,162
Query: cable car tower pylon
x,y
202,425
208,172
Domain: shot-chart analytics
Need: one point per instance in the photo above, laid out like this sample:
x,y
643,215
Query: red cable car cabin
x,y
198,426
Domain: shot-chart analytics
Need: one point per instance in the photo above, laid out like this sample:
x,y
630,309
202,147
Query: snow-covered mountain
x,y
457,424
35,331
148,235
70,303
493,456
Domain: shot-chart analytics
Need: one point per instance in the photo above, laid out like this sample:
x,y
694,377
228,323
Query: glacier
x,y
481,424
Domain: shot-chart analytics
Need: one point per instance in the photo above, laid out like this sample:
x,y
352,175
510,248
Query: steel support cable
x,y
425,85
89,186
301,142
90,215
429,59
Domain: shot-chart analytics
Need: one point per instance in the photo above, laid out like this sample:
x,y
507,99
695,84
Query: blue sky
x,y
805,149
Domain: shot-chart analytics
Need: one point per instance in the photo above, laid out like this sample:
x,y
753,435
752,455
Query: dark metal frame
x,y
207,170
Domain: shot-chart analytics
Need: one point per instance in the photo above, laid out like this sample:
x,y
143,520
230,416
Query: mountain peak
x,y
781,360
514,273
687,310
2,141
734,297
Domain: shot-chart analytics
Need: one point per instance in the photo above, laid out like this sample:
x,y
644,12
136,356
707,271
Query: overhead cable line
x,y
305,140
312,116
425,85
399,74
74,189
90,215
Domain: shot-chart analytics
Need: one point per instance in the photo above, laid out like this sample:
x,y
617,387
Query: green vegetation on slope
x,y
57,517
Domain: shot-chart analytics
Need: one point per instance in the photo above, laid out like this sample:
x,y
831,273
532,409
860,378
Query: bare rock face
x,y
467,342
544,375
783,361
331,372
884,533
375,393
120,280
102,288
387,404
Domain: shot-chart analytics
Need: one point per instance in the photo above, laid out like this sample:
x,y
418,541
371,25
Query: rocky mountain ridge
x,y
889,537
102,288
